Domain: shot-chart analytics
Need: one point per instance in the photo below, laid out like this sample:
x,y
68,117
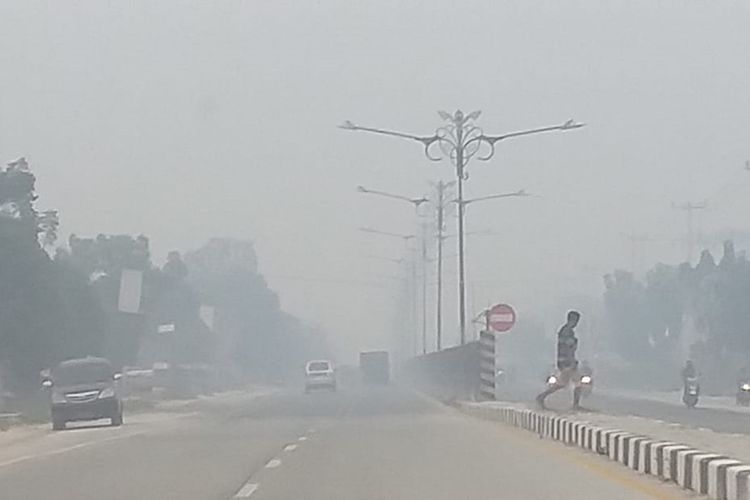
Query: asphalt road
x,y
356,444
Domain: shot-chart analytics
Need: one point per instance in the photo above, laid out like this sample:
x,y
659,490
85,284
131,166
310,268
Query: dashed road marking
x,y
272,464
290,447
247,490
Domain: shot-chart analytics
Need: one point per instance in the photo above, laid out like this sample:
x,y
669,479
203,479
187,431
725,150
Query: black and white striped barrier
x,y
712,474
487,365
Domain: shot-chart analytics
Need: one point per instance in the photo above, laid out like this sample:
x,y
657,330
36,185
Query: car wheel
x,y
58,424
117,420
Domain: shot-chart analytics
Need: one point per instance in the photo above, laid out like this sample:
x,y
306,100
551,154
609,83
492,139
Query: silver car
x,y
320,374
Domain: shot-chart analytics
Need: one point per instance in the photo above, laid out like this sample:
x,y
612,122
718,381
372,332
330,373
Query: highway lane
x,y
601,400
202,453
709,418
359,444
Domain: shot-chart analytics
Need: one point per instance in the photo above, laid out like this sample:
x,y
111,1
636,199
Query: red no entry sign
x,y
501,317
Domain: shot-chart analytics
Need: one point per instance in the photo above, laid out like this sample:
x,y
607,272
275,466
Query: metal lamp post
x,y
460,140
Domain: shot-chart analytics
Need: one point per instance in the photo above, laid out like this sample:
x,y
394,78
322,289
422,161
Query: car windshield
x,y
81,373
318,366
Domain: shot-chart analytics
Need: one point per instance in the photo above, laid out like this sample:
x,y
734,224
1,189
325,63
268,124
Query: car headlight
x,y
552,379
109,392
58,397
746,387
585,379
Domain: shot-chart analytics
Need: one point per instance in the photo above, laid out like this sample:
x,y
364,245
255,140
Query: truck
x,y
375,367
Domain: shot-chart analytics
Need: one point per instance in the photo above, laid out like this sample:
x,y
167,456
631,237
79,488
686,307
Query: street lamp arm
x,y
426,141
521,192
389,259
347,125
386,233
569,125
414,201
490,140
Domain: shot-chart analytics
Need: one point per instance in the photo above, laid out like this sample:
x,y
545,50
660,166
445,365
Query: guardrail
x,y
450,374
718,476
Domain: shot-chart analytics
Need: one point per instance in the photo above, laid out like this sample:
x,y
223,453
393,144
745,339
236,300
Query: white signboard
x,y
207,314
131,283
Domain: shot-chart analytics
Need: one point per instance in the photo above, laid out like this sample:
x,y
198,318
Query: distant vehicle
x,y
84,389
587,385
743,393
691,392
375,367
501,377
320,374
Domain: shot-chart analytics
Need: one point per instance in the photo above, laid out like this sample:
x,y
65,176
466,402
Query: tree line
x,y
680,312
59,303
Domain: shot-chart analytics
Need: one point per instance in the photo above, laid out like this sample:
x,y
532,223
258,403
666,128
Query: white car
x,y
320,374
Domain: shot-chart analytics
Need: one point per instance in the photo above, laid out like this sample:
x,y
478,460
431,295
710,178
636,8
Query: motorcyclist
x,y
688,371
689,375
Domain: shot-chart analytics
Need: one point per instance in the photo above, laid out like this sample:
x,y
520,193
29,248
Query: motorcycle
x,y
501,377
691,392
743,394
587,385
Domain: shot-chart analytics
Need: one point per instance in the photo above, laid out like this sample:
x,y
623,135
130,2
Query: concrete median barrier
x,y
449,375
700,471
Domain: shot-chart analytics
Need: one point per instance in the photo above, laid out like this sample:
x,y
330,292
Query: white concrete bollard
x,y
737,482
717,478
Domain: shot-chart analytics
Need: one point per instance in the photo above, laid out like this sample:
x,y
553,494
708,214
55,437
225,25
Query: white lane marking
x,y
290,447
247,490
302,438
272,464
78,446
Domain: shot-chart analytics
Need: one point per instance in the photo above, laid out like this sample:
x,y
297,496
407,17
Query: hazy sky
x,y
185,120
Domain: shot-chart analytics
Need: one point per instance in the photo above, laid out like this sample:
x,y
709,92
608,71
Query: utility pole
x,y
441,204
459,140
415,346
424,287
689,207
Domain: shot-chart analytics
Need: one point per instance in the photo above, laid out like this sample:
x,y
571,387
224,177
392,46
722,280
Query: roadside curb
x,y
718,476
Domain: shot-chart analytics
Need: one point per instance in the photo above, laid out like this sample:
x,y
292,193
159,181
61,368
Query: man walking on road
x,y
567,343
